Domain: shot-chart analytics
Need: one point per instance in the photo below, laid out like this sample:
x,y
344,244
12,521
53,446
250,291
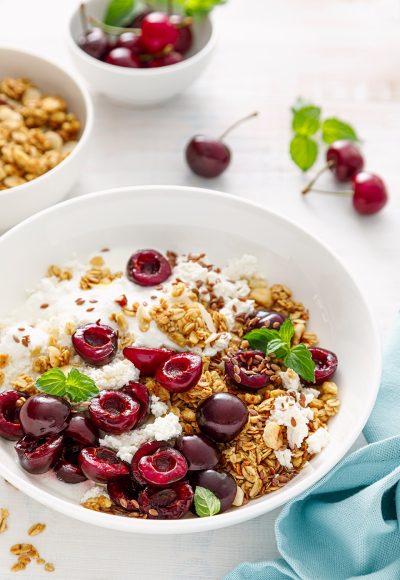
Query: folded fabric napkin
x,y
347,525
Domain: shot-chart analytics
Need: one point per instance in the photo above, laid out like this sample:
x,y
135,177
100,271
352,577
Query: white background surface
x,y
345,55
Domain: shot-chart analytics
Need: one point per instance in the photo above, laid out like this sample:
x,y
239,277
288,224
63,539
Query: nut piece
x,y
261,296
36,529
239,497
272,435
4,513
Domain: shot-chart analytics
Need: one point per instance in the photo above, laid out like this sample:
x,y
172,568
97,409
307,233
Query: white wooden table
x,y
345,55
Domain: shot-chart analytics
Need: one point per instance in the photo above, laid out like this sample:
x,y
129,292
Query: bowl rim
x,y
236,516
141,72
85,134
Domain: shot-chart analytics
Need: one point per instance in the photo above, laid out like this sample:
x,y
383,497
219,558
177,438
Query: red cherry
x,y
344,159
210,157
169,503
158,32
122,56
370,194
114,412
96,343
148,268
147,360
185,34
37,455
131,41
180,372
101,465
247,376
10,406
171,58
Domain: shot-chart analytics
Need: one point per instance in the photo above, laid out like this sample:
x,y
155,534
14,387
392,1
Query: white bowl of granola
x,y
220,273
45,123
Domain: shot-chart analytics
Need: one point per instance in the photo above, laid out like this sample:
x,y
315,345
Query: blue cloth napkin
x,y
347,526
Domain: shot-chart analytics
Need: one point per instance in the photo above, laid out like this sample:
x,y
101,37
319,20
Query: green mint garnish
x,y
308,127
303,151
334,129
119,12
279,343
75,386
206,502
199,8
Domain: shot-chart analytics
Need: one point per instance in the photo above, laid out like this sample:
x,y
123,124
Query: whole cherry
x,y
122,56
344,159
158,32
209,157
370,193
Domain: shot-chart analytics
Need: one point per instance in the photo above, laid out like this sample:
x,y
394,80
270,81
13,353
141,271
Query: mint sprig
x,y
279,343
308,127
199,8
119,12
206,503
75,385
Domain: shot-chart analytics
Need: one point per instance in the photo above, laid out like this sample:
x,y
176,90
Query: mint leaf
x,y
80,387
304,151
119,12
260,337
206,503
52,382
286,331
299,359
199,8
75,386
277,347
306,120
334,129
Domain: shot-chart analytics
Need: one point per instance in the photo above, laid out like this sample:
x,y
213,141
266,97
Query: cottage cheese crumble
x,y
284,456
294,417
318,440
113,375
163,429
290,380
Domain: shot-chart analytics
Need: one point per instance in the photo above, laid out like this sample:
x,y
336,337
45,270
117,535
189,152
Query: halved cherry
x,y
141,396
10,406
169,503
124,492
180,372
101,464
148,268
326,363
163,467
96,343
39,455
147,360
147,449
244,368
114,411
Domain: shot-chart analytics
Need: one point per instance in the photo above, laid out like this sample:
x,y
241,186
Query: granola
x,y
37,132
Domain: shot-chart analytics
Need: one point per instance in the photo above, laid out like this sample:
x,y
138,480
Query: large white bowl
x,y
19,202
140,87
189,219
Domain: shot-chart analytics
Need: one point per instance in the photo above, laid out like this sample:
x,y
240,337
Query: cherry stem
x,y
346,192
229,129
308,187
113,30
84,18
169,7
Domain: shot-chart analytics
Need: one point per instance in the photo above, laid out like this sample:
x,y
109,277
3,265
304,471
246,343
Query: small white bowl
x,y
141,87
190,219
17,203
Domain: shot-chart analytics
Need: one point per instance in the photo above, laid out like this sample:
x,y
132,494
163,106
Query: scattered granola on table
x,y
37,132
178,386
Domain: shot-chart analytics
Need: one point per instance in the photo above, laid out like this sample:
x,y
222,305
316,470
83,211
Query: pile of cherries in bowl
x,y
153,40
